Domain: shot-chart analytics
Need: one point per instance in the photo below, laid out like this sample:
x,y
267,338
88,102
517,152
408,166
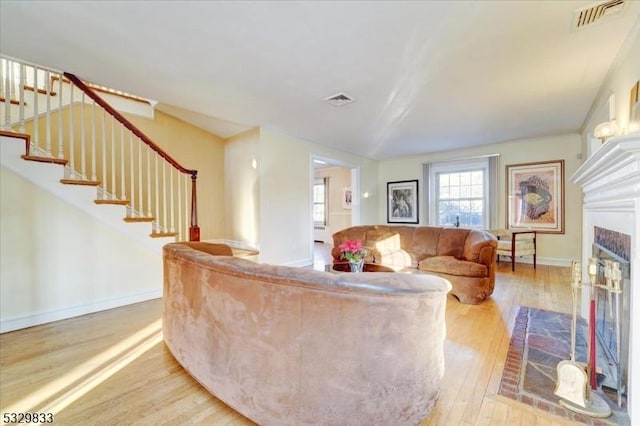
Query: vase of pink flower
x,y
353,252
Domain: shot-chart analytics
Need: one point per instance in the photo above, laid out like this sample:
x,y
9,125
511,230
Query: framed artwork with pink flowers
x,y
535,196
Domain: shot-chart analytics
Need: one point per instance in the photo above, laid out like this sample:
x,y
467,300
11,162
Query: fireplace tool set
x,y
577,381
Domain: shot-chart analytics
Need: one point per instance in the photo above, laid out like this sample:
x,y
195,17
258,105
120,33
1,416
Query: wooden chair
x,y
515,244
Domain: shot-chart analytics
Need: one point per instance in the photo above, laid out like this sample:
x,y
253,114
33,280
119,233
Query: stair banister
x,y
194,230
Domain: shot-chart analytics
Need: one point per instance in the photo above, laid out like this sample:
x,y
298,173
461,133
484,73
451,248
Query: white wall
x,y
557,249
623,75
286,179
58,262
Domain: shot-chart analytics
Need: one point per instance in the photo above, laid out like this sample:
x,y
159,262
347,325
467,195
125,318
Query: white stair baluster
x,y
132,181
22,82
72,151
149,182
157,185
36,119
140,193
105,175
83,141
171,204
113,159
122,162
180,229
94,175
165,217
47,76
60,140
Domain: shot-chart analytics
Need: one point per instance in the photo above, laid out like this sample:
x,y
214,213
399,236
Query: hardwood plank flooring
x,y
112,368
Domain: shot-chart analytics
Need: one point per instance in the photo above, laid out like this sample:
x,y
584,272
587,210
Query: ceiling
x,y
426,76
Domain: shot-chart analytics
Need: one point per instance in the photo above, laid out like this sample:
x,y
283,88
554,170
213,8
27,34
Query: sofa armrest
x,y
480,247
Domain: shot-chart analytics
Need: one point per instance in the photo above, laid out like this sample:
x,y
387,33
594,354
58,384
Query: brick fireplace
x,y
610,180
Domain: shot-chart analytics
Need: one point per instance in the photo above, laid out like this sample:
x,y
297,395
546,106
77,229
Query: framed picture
x,y
347,198
535,196
402,201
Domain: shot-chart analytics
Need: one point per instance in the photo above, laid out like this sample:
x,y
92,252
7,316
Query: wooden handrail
x,y
194,230
126,123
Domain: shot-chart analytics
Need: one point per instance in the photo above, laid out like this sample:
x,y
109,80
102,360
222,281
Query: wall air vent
x,y
598,12
340,99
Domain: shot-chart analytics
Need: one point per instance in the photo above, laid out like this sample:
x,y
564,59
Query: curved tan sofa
x,y
293,346
465,257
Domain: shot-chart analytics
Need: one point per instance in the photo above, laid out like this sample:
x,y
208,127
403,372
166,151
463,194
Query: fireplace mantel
x,y
610,181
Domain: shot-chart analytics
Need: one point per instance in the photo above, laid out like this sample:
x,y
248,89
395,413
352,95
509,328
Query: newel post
x,y
194,230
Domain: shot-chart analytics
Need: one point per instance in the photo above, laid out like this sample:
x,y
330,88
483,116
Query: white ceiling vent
x,y
598,12
340,99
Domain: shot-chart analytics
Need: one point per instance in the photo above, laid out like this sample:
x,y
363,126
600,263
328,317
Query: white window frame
x,y
325,182
459,166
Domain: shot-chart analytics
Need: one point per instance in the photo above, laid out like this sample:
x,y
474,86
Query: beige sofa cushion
x,y
451,265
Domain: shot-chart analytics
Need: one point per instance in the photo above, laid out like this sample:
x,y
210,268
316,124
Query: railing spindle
x,y
149,181
132,199
60,140
140,194
171,204
48,106
36,119
72,151
83,141
180,230
157,186
94,174
105,175
164,197
21,100
113,158
122,163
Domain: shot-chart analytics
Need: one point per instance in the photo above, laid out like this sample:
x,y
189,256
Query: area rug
x,y
540,340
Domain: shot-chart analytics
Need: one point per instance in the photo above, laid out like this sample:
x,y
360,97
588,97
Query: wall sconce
x,y
604,131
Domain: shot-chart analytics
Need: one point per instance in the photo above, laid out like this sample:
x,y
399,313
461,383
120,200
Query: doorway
x,y
334,202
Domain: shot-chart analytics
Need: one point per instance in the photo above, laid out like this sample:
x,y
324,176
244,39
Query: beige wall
x,y
197,149
58,262
242,189
552,248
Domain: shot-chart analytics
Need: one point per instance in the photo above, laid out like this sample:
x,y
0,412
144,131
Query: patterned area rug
x,y
540,340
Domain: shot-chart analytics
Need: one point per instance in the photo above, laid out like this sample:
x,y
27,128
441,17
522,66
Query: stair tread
x,y
139,219
118,202
40,159
163,234
80,182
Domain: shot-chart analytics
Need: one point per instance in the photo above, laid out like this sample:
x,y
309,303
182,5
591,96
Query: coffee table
x,y
367,267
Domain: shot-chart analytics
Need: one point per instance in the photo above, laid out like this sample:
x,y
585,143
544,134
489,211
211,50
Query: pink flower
x,y
352,250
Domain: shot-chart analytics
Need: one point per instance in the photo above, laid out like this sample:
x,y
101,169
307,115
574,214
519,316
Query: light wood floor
x,y
111,368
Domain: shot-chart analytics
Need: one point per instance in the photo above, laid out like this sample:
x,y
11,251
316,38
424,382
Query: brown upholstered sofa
x,y
294,346
466,257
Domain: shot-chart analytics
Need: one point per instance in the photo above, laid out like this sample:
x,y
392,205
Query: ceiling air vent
x,y
598,12
339,99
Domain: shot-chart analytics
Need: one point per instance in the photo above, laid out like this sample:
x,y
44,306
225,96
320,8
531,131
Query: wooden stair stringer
x,y
47,177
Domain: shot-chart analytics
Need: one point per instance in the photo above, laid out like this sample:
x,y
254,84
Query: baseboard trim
x,y
39,318
539,260
233,243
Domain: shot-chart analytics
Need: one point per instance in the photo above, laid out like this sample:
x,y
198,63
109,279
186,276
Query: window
x,y
320,189
460,193
460,198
